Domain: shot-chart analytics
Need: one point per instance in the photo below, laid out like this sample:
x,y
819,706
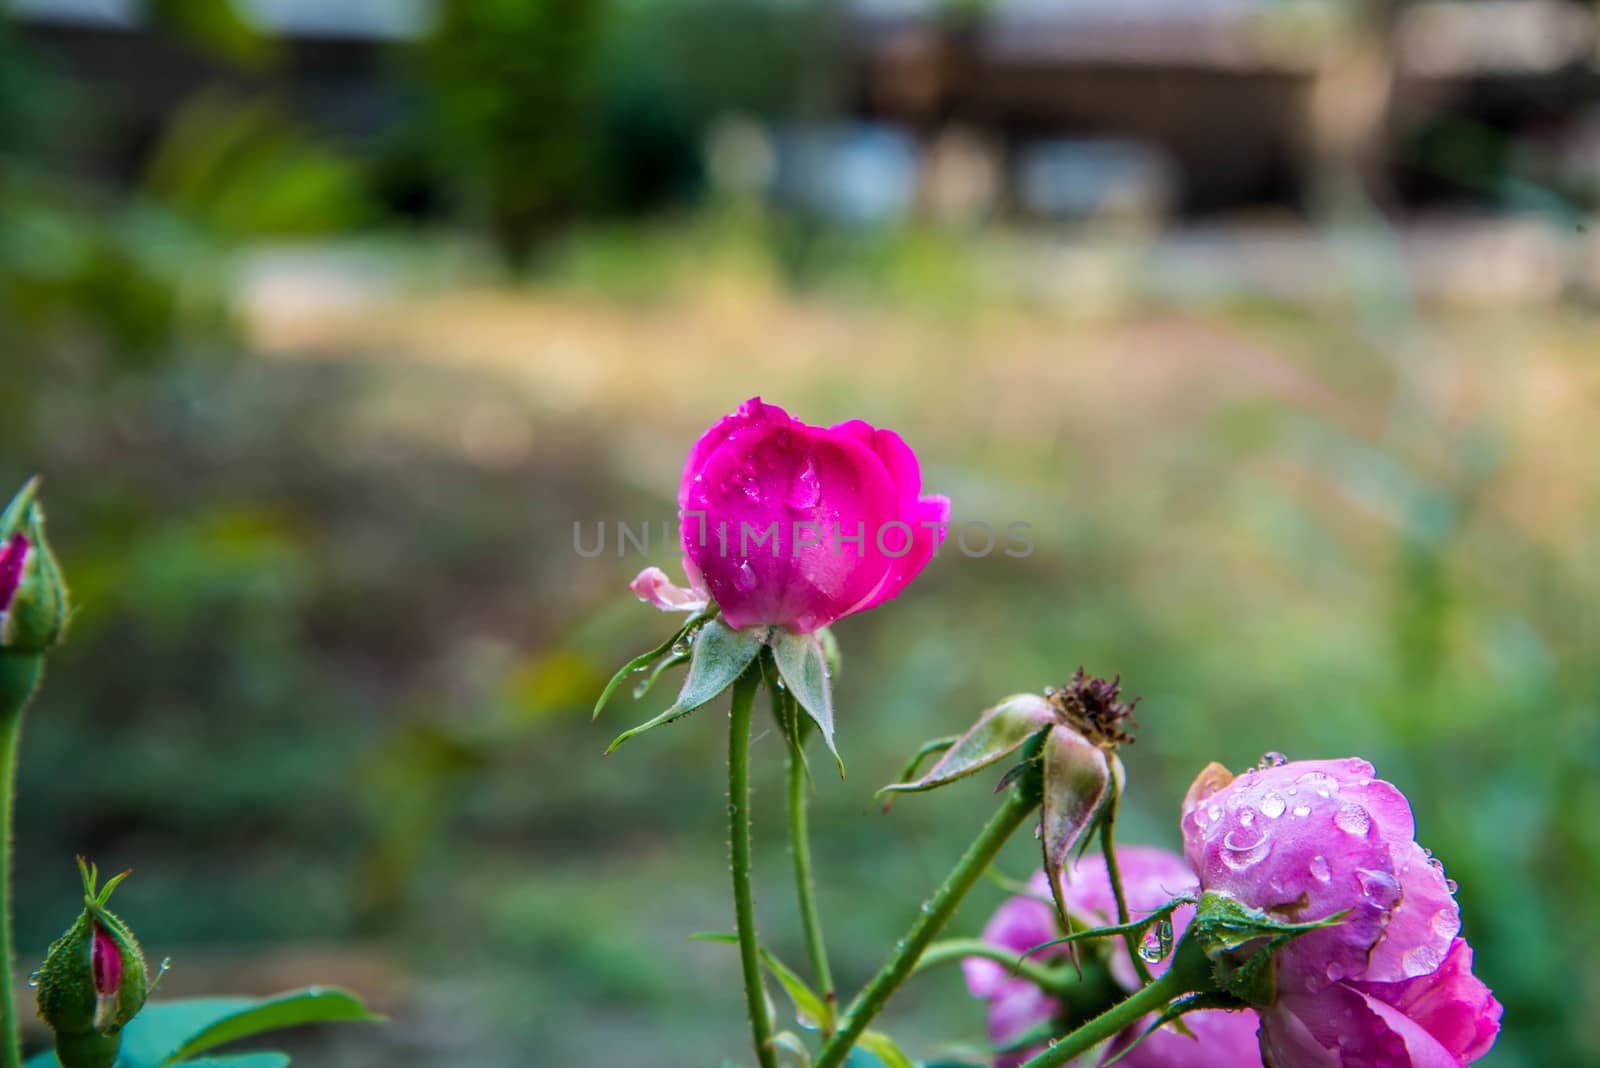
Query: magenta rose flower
x,y
1151,878
1391,983
797,526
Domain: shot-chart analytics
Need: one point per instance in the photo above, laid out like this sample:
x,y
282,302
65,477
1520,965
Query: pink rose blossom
x,y
798,526
1151,878
1391,983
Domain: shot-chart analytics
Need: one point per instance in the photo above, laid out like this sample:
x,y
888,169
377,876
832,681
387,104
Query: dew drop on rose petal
x,y
1353,819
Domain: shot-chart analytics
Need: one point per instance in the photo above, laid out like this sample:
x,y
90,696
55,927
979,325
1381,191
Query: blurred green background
x,y
325,325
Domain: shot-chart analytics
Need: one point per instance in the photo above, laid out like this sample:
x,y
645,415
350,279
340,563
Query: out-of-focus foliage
x,y
514,93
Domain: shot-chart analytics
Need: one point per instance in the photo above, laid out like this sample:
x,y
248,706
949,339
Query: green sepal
x,y
1080,786
679,641
811,1011
802,664
998,732
720,656
1174,1013
1136,927
1240,942
11,518
908,773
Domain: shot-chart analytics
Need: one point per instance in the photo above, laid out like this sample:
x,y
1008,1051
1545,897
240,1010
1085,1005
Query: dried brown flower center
x,y
1094,708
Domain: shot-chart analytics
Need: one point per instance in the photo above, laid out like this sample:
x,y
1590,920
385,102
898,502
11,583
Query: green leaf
x,y
884,1048
315,1004
47,1059
720,656
810,1010
803,666
997,733
1076,781
175,1032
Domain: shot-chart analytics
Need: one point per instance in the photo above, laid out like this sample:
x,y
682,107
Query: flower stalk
x,y
744,907
20,674
1152,998
1020,803
805,882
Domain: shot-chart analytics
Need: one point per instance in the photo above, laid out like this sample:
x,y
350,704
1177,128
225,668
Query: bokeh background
x,y
326,323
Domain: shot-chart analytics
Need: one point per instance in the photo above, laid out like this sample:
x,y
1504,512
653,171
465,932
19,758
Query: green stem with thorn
x,y
20,674
744,906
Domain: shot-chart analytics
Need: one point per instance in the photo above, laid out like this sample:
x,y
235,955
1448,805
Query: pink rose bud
x,y
1390,982
797,526
92,982
1151,878
13,557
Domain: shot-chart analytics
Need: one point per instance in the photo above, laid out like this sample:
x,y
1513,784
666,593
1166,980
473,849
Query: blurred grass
x,y
336,652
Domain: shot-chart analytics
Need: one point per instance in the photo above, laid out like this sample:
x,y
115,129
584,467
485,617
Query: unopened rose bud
x,y
34,607
93,980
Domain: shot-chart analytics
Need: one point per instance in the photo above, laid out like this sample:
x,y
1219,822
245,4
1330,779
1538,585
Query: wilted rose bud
x,y
1070,738
93,980
33,598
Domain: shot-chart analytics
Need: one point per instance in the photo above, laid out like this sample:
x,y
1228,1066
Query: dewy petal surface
x,y
1450,1003
1392,984
797,526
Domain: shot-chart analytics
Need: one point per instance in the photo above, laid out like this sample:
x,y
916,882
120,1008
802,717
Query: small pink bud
x,y
13,557
105,960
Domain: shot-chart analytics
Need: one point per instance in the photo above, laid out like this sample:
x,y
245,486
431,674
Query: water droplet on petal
x,y
1271,760
1247,817
1446,924
1272,806
1353,819
745,577
1321,869
1335,972
1421,960
806,489
1243,849
1301,811
1214,812
1380,886
1451,885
